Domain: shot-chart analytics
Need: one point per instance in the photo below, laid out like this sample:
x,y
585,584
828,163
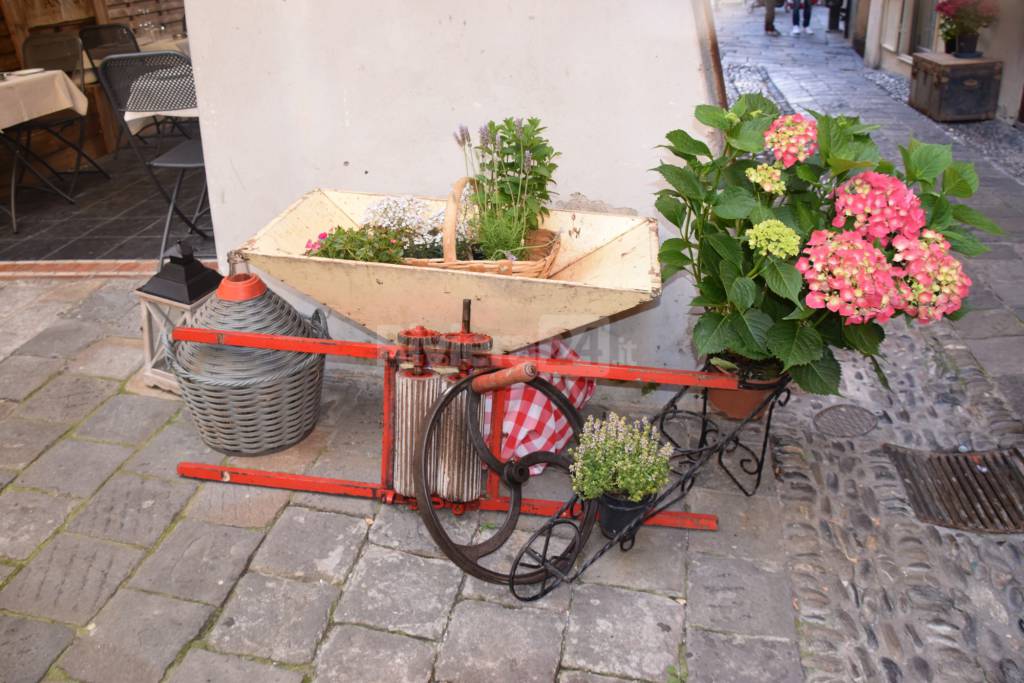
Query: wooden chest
x,y
947,88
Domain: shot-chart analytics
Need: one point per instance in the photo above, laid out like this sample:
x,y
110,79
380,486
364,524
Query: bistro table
x,y
27,97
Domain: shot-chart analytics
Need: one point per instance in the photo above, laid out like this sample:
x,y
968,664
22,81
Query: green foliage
x,y
368,243
754,299
619,457
513,169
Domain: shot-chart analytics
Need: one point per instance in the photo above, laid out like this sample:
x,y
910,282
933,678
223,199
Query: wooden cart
x,y
606,264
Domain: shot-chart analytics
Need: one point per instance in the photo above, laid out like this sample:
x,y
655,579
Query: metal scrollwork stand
x,y
548,548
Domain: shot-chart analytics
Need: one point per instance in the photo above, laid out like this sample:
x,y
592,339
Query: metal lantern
x,y
170,299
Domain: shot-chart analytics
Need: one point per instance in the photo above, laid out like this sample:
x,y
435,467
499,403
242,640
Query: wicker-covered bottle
x,y
247,401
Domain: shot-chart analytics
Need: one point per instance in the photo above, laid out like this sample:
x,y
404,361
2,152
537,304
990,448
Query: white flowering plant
x,y
621,458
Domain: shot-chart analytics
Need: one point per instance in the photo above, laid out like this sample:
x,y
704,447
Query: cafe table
x,y
26,97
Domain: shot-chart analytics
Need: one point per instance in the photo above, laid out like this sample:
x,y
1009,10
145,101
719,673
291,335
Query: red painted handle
x,y
501,379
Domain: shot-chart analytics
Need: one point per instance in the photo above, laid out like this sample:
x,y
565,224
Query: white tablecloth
x,y
23,98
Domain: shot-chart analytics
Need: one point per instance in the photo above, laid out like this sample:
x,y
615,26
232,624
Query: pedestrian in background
x,y
807,17
769,18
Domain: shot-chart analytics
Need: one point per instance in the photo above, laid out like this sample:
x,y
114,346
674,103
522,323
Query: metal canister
x,y
415,392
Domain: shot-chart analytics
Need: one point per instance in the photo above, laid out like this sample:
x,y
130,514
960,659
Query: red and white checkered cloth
x,y
531,422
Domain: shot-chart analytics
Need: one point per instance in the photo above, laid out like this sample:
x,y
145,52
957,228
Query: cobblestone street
x,y
113,568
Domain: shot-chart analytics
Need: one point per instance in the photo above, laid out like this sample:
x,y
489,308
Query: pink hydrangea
x,y
848,275
933,283
881,205
792,138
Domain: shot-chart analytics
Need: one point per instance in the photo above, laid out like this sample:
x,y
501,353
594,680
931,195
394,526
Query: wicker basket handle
x,y
449,233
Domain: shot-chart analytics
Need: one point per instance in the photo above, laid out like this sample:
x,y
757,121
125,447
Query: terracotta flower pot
x,y
738,404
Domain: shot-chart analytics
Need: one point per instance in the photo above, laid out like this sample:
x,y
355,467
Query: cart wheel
x,y
514,473
549,550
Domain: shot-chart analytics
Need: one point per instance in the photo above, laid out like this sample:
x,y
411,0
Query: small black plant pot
x,y
615,514
967,46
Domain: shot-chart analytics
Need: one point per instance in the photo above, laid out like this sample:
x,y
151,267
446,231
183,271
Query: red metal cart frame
x,y
389,355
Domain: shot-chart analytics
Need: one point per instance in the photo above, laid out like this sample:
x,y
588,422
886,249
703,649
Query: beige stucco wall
x,y
364,96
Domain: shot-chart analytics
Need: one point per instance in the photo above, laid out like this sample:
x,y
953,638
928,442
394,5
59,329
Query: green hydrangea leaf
x,y
783,279
794,343
960,179
821,376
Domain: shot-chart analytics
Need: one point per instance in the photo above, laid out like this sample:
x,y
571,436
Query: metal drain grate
x,y
845,420
970,491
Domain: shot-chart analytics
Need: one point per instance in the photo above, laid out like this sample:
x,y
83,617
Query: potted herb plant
x,y
802,239
622,465
962,19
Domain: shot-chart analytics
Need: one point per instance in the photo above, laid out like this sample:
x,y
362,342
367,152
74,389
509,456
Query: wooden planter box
x,y
606,264
947,88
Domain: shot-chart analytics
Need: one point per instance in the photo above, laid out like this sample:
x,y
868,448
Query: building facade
x,y
889,32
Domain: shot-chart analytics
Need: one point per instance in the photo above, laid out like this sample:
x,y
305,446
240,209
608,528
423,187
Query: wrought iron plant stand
x,y
550,554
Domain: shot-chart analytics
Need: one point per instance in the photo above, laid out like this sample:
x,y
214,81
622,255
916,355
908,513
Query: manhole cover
x,y
845,420
970,491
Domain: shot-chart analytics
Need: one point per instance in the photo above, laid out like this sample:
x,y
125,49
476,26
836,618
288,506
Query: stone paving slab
x,y
27,518
747,527
489,642
354,653
236,505
397,591
294,460
309,544
114,357
28,647
128,419
656,563
135,637
5,571
275,618
203,666
68,398
501,560
623,633
72,291
70,579
73,467
132,509
400,528
177,442
998,355
6,476
21,375
739,596
62,339
198,561
21,441
740,659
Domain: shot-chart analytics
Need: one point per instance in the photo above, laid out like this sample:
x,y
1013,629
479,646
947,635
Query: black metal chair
x,y
61,52
104,40
157,83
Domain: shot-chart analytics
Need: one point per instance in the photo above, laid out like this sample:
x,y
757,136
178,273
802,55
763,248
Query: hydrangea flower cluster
x,y
792,138
881,206
768,177
848,275
774,237
933,283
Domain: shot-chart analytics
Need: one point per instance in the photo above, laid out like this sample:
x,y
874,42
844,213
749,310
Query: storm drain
x,y
845,420
970,491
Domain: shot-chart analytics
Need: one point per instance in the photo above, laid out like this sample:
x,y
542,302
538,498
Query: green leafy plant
x,y
367,243
619,457
800,238
512,168
965,17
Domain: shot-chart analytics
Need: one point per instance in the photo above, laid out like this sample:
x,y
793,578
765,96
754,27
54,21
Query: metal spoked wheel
x,y
514,473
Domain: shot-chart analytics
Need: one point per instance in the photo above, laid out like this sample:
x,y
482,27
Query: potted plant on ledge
x,y
801,239
962,19
623,465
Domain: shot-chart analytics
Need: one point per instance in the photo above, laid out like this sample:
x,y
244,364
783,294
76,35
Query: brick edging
x,y
12,270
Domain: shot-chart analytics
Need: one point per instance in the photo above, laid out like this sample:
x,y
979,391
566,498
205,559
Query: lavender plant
x,y
619,457
513,167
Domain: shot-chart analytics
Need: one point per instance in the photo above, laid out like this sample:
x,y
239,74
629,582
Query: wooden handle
x,y
449,233
501,379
